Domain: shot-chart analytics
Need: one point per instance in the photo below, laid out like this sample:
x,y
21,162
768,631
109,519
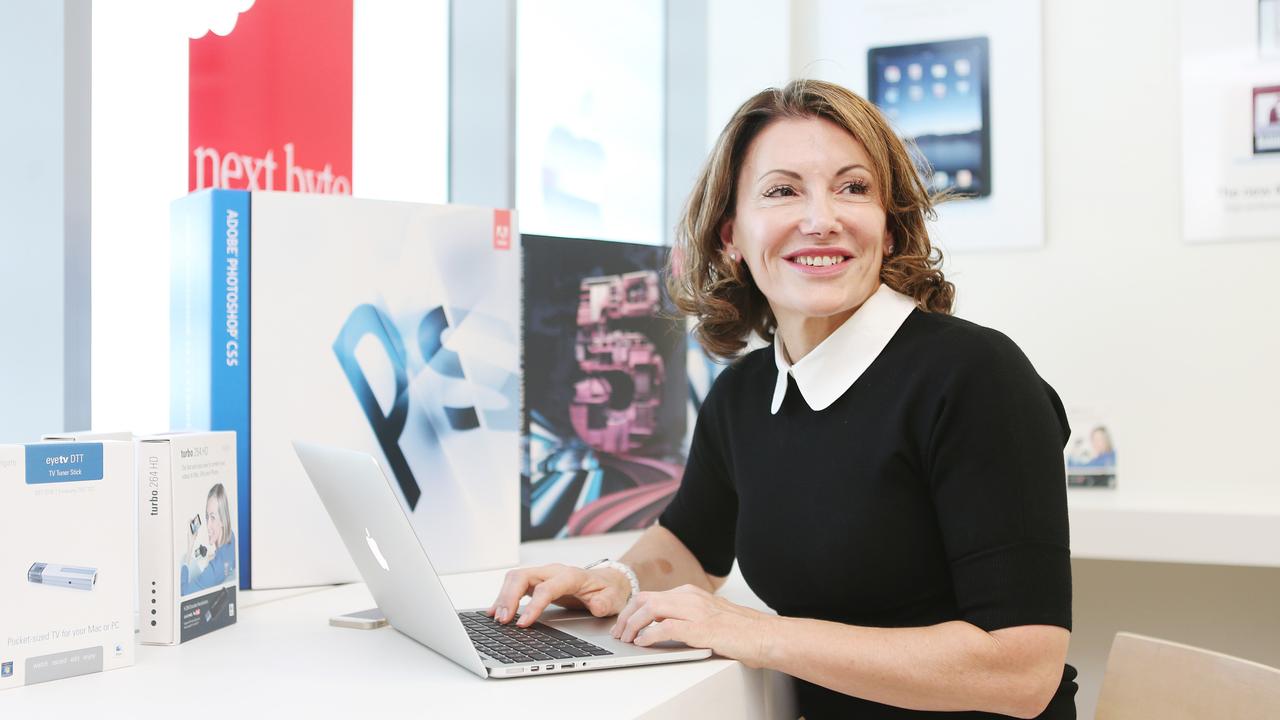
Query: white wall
x,y
719,53
1177,343
748,49
400,93
139,166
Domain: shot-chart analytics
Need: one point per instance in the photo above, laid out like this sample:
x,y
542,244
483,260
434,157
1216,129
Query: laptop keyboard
x,y
514,645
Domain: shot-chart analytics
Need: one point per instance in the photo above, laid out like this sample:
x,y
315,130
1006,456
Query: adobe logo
x,y
501,229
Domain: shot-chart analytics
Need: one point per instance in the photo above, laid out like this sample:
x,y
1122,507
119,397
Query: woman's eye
x,y
780,191
856,188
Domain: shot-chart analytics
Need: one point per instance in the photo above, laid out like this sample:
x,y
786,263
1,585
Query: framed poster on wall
x,y
1230,121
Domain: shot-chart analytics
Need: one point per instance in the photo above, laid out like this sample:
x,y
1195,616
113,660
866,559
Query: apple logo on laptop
x,y
373,547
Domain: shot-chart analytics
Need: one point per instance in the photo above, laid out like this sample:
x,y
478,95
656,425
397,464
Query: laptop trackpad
x,y
587,626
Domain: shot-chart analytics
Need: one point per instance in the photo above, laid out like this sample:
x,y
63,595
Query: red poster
x,y
270,103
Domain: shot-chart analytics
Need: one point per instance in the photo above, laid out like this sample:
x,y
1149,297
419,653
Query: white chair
x,y
1152,679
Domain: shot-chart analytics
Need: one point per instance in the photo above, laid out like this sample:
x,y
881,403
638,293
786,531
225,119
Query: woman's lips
x,y
818,264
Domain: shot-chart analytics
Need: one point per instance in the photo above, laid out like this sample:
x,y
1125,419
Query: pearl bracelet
x,y
622,568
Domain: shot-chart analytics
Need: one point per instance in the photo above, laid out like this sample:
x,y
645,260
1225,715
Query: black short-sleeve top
x,y
931,490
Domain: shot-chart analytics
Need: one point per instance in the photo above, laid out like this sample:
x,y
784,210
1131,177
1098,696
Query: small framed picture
x,y
1090,452
1266,119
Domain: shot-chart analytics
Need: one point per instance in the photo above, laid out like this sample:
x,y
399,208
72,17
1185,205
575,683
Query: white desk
x,y
283,659
1207,527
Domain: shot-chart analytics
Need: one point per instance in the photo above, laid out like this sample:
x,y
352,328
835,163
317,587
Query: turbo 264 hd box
x,y
187,571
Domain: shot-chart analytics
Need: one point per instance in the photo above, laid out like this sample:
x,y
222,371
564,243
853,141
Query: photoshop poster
x,y
606,388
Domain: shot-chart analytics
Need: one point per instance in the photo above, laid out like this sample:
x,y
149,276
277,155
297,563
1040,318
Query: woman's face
x,y
1101,443
807,220
214,521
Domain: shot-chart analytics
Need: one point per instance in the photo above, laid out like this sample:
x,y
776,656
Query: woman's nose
x,y
820,217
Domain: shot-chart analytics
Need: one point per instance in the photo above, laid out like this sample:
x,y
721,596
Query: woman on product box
x,y
888,477
221,565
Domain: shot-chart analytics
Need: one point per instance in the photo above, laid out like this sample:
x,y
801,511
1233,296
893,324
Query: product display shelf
x,y
1220,527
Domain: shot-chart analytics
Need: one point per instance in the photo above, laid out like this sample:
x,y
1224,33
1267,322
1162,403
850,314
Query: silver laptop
x,y
399,574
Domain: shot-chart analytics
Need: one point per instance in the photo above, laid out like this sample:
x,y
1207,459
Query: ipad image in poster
x,y
1266,119
936,95
606,392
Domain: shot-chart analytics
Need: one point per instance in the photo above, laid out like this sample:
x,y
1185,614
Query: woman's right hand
x,y
602,591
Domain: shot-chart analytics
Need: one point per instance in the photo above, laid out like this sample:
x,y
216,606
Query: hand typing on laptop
x,y
677,604
602,591
658,558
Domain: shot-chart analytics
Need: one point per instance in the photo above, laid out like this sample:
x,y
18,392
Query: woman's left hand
x,y
695,617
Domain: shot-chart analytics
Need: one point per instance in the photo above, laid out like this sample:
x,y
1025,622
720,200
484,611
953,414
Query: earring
x,y
733,255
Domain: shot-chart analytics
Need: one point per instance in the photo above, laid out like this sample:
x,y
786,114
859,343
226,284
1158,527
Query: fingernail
x,y
502,614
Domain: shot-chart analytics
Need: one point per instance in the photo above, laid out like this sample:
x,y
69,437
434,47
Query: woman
x,y
888,477
1104,453
221,567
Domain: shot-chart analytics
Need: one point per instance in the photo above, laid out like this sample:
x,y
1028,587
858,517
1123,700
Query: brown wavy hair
x,y
721,294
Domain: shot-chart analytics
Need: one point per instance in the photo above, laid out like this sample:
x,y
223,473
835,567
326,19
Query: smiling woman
x,y
887,477
809,229
812,153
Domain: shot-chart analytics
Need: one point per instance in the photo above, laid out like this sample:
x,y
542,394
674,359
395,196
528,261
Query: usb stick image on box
x,y
80,578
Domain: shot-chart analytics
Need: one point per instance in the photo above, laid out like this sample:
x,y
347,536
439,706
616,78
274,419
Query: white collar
x,y
836,364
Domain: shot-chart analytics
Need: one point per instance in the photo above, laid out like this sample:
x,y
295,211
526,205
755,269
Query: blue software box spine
x,y
209,329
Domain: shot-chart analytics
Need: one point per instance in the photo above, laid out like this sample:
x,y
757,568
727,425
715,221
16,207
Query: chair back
x,y
1152,679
